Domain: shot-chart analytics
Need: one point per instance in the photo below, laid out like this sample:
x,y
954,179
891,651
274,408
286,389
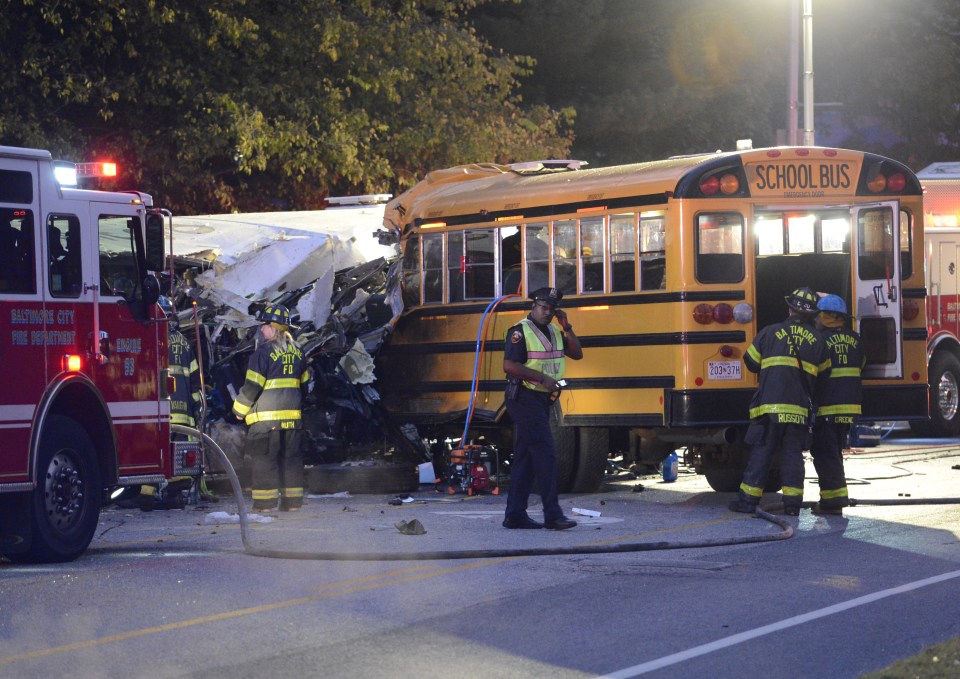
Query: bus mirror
x,y
154,242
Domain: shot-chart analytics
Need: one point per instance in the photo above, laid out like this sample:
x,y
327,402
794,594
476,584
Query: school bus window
x,y
834,234
509,260
800,234
478,266
432,268
653,272
537,249
769,235
456,266
565,255
592,253
906,244
17,266
875,256
623,246
63,246
411,271
719,242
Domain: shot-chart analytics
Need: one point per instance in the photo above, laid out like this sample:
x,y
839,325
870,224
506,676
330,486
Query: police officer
x,y
533,359
788,357
838,398
269,403
185,398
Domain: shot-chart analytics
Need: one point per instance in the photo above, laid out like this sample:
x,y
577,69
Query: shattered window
x,y
432,268
455,266
538,256
411,271
509,260
478,264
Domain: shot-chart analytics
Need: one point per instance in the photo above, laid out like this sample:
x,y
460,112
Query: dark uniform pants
x,y
534,455
277,463
765,436
829,438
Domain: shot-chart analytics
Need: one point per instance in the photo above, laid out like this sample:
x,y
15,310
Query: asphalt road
x,y
173,593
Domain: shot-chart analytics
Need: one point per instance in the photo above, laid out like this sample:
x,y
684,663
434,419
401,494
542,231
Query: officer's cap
x,y
549,295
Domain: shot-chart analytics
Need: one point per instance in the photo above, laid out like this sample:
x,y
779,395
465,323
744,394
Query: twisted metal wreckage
x,y
341,284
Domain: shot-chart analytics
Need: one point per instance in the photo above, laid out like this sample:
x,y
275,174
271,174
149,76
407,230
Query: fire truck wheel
x,y
592,453
944,397
65,506
373,479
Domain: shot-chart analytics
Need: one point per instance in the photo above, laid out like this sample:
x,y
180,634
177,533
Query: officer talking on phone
x,y
534,357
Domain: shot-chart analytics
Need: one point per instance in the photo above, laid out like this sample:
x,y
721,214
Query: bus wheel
x,y
65,506
724,479
592,453
565,442
944,395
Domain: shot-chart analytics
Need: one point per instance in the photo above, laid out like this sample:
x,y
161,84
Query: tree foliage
x,y
255,104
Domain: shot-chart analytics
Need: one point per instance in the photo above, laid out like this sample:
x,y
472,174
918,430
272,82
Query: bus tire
x,y
944,397
592,454
724,479
565,442
64,508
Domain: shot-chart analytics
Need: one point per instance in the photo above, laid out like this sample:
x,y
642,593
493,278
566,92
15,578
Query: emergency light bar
x,y
68,173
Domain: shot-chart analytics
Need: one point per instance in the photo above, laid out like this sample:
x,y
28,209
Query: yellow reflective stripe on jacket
x,y
240,409
181,418
752,491
840,409
272,415
792,491
256,377
179,370
754,353
812,369
282,383
845,372
788,361
775,408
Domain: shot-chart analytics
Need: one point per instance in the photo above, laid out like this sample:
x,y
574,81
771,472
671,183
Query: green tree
x,y
254,104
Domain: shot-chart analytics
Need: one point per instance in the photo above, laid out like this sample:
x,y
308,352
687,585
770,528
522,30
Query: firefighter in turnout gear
x,y
185,397
838,397
788,357
533,359
269,403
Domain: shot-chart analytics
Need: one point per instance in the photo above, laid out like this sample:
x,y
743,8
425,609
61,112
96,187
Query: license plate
x,y
724,370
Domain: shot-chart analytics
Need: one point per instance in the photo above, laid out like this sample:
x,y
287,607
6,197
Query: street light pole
x,y
793,79
808,132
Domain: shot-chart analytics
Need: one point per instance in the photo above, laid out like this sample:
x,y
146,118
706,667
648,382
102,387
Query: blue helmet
x,y
833,304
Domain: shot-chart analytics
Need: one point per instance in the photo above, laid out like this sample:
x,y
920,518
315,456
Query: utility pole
x,y
808,132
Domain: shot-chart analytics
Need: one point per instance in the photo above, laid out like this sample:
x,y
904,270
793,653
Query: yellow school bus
x,y
668,269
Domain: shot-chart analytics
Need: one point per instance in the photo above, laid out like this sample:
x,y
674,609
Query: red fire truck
x,y
941,207
83,348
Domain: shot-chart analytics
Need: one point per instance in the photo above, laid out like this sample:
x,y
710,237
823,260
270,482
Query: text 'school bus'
x,y
84,405
668,270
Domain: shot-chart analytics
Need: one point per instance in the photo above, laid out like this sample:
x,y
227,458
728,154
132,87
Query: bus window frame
x,y
699,264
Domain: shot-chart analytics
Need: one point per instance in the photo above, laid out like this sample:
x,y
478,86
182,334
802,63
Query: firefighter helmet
x,y
833,304
802,299
274,313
